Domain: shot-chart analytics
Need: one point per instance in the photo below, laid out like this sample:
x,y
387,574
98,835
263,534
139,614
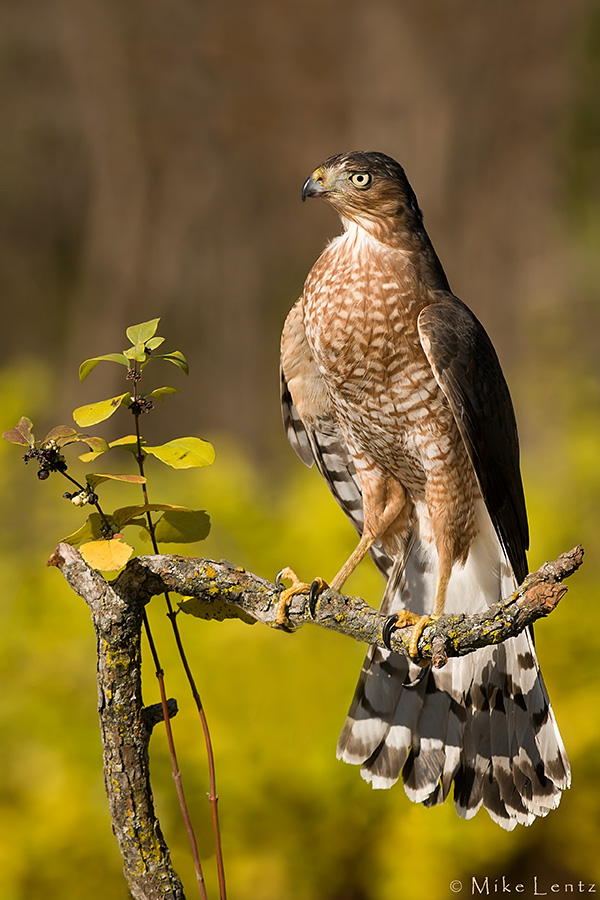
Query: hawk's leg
x,y
319,584
384,506
451,547
405,618
384,500
363,547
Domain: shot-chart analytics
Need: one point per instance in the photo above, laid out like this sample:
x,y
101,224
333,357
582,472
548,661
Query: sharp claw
x,y
315,589
388,627
279,580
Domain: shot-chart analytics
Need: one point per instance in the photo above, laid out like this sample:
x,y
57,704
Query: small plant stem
x,y
213,796
97,506
73,481
175,765
172,614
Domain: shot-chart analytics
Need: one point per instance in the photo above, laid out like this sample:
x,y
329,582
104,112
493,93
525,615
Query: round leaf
x,y
181,526
88,365
21,433
126,514
127,443
108,556
176,357
92,413
184,453
139,334
94,480
137,353
89,531
159,393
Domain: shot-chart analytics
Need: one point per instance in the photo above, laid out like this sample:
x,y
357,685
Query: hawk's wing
x,y
467,370
316,435
322,442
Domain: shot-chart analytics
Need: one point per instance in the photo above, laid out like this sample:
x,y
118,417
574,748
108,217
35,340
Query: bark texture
x,y
125,728
221,590
213,590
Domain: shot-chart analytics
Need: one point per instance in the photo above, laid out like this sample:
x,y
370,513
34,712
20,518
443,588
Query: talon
x,y
402,620
416,634
316,588
297,587
388,627
279,579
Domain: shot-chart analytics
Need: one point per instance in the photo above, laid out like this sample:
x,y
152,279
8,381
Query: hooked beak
x,y
313,186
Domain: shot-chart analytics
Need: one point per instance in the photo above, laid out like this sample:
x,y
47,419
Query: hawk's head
x,y
368,188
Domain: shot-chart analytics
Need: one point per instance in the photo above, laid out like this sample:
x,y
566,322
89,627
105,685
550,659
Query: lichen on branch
x,y
220,590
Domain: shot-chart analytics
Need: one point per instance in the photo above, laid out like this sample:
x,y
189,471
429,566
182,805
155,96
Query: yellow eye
x,y
360,179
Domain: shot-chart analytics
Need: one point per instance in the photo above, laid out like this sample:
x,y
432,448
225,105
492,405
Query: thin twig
x,y
171,614
160,676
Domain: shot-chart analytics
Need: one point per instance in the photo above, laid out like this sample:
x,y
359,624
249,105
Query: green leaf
x,y
97,446
108,556
21,434
92,413
88,365
216,610
94,480
126,514
175,357
129,442
62,435
154,342
184,453
182,526
137,353
160,393
90,530
92,455
139,334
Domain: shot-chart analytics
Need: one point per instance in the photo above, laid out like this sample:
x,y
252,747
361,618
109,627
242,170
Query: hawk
x,y
393,388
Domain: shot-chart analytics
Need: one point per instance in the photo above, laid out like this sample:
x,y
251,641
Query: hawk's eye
x,y
360,179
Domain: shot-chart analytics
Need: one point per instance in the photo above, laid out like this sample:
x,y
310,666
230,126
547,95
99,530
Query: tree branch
x,y
214,590
222,590
125,728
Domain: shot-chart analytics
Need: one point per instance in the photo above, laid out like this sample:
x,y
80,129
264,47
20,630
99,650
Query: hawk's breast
x,y
360,306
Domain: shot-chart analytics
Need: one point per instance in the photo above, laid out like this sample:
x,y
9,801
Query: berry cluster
x,y
49,458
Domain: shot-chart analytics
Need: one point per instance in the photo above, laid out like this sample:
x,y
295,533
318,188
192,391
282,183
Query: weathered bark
x,y
222,590
214,590
125,728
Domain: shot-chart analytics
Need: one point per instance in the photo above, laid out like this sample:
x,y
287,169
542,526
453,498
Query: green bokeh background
x,y
502,141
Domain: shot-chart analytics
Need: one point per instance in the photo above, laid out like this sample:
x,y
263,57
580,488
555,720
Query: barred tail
x,y
483,723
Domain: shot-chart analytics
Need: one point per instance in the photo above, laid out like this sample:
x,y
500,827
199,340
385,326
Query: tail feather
x,y
483,723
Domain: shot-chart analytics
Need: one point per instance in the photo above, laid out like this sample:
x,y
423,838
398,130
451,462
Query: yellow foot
x,y
297,587
404,619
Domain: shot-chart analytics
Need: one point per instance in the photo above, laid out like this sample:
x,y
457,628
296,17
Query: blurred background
x,y
151,162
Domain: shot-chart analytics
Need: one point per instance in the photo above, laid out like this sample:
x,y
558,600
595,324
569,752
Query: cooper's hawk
x,y
391,385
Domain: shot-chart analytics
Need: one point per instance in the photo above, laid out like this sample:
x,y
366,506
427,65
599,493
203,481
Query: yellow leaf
x,y
91,529
95,479
181,526
92,413
108,556
126,514
183,453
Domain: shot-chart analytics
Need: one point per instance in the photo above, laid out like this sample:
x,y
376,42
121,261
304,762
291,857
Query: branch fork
x,y
213,590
